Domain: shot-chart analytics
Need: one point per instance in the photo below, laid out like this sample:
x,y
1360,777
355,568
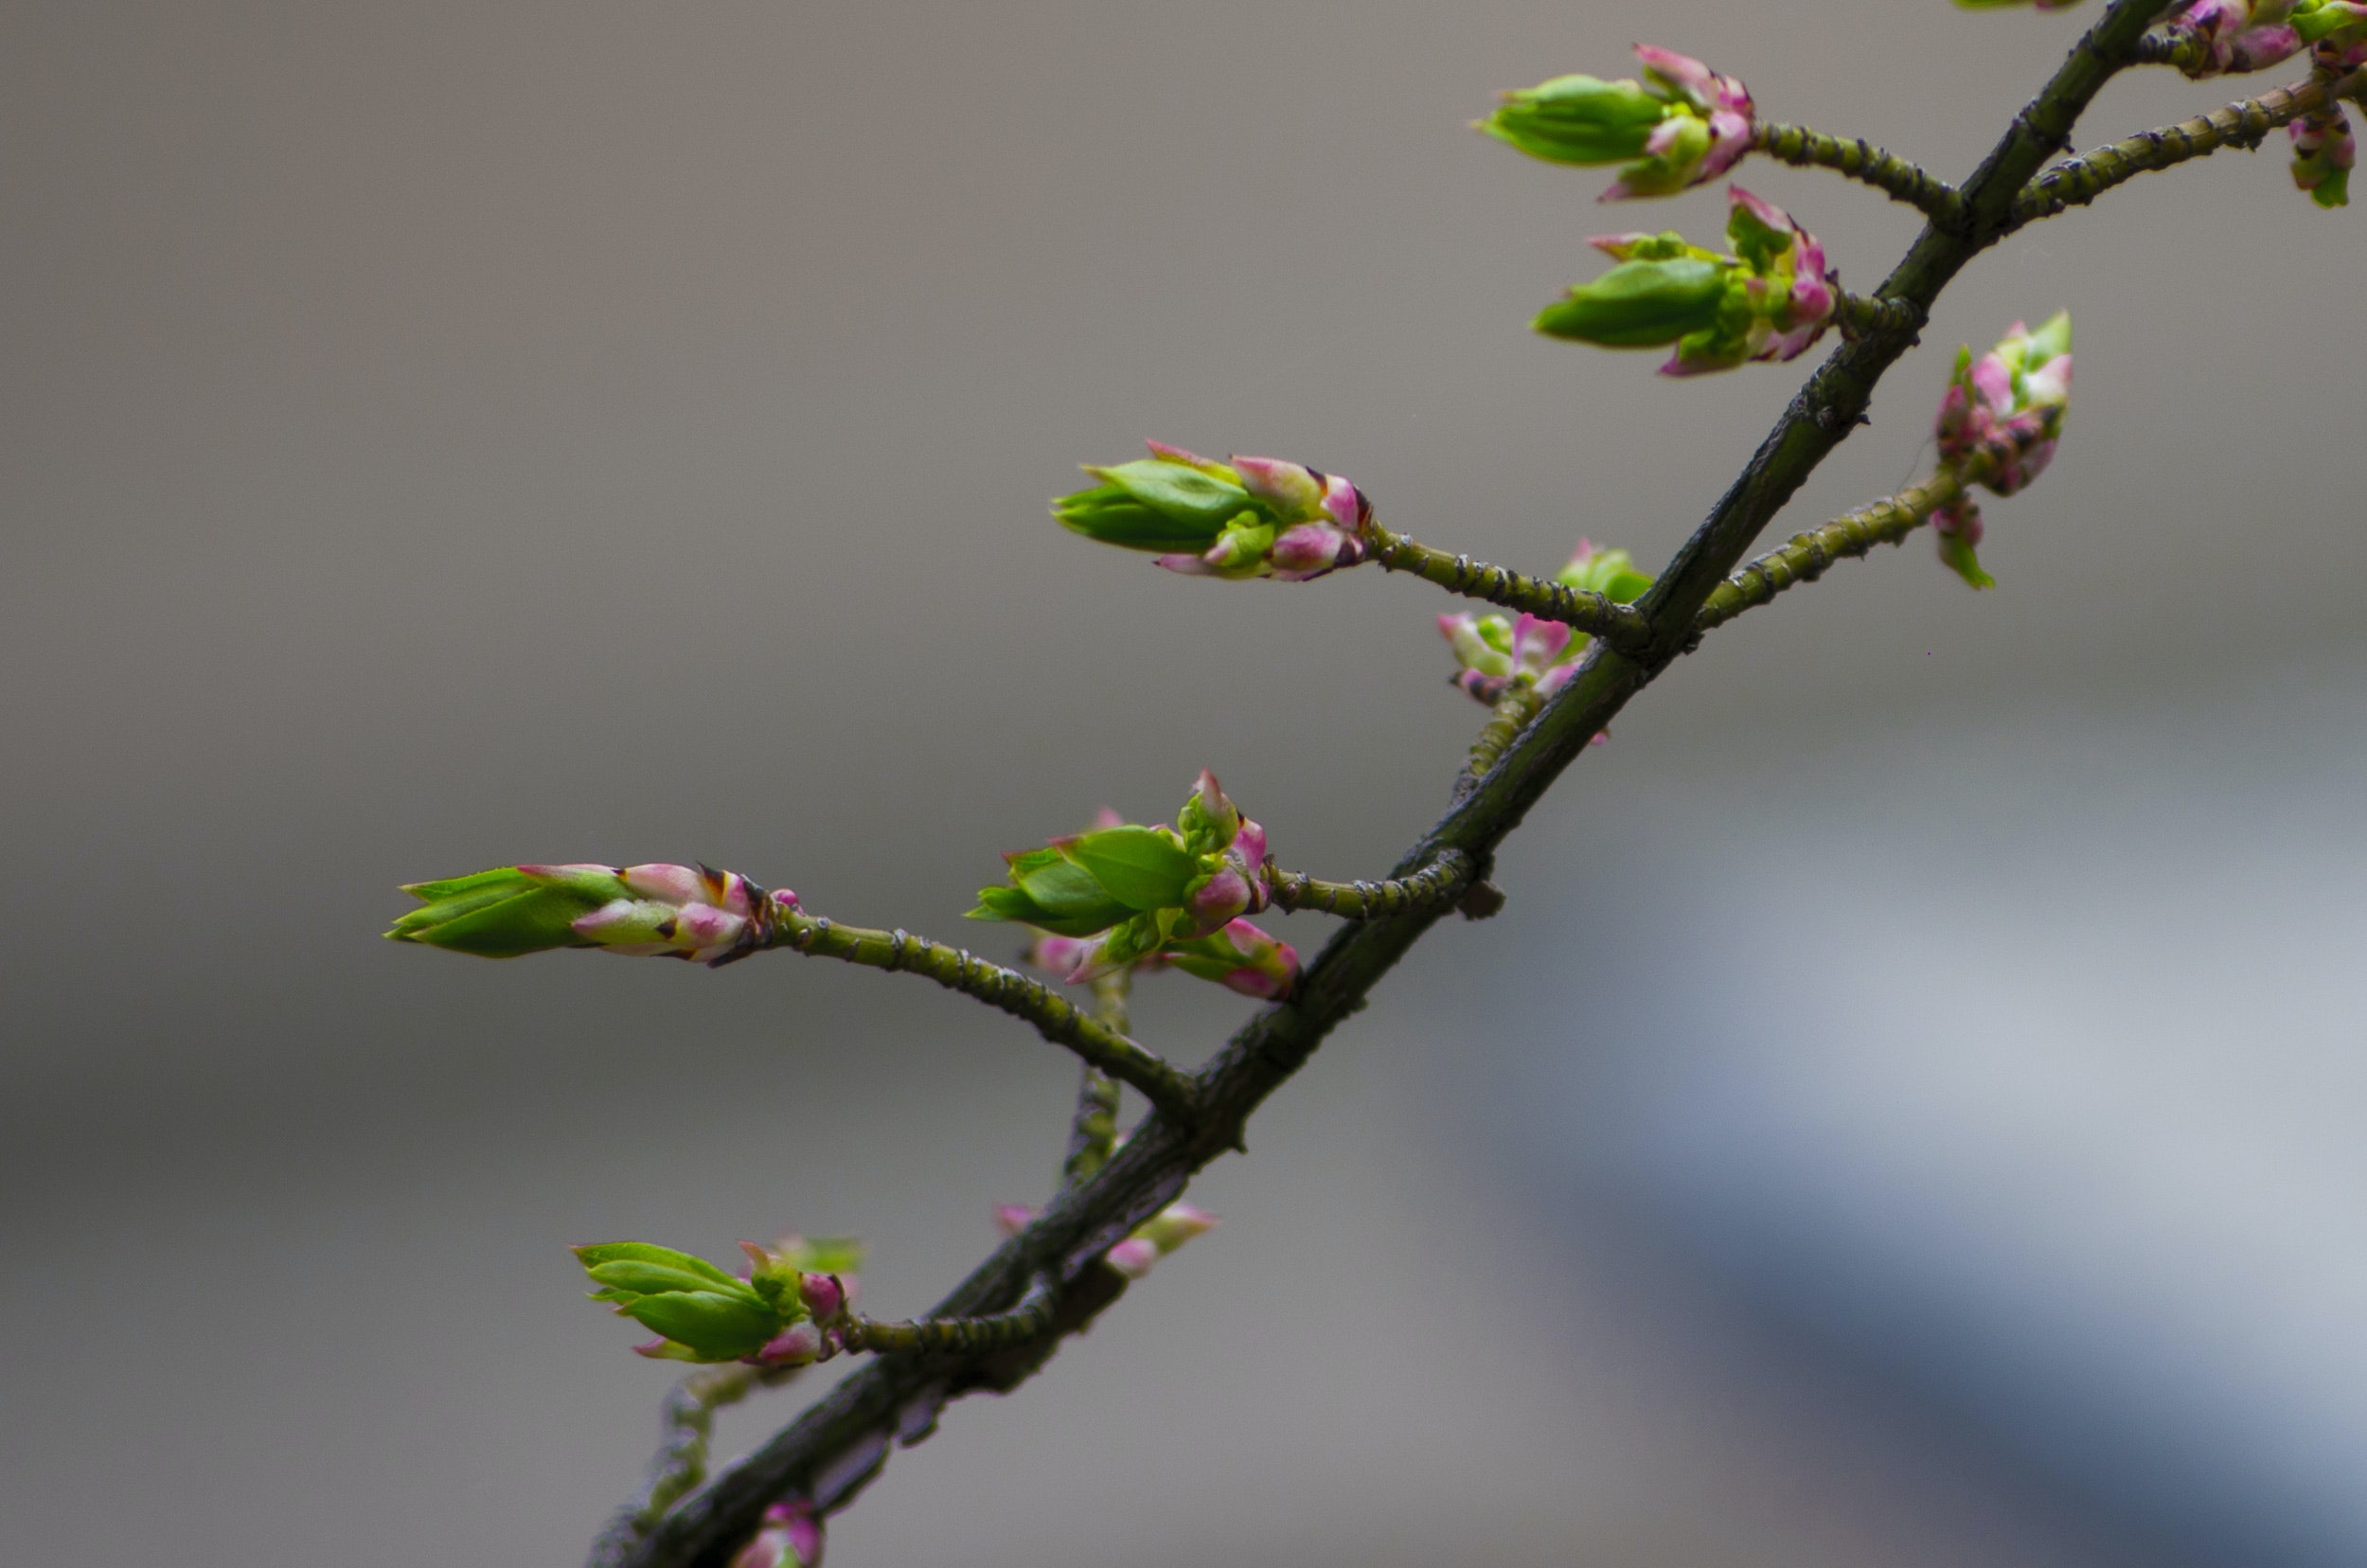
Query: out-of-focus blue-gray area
x,y
1899,1119
2017,1059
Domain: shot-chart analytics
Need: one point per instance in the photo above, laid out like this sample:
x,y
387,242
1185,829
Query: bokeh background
x,y
1910,1112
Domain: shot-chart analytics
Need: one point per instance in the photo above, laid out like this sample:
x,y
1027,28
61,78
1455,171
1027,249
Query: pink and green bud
x,y
2006,408
2324,153
1499,655
1157,1236
791,1537
2234,36
700,1312
1682,126
1115,897
1240,958
2336,32
639,911
825,1295
799,1344
1251,517
1957,528
2009,404
1768,301
1609,572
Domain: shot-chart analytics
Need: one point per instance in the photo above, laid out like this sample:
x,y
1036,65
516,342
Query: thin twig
x,y
1094,1130
958,1336
1803,559
1861,160
957,969
1620,625
1441,881
2078,181
1513,710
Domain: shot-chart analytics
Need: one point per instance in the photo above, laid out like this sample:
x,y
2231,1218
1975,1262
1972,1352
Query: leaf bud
x,y
1240,958
1682,125
1157,1236
2005,408
2323,153
700,1312
639,911
1768,301
1251,516
2233,36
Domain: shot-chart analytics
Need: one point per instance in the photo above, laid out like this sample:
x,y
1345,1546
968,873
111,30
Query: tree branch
x,y
957,969
1621,625
1031,1319
1442,882
2078,181
834,1448
1888,521
1861,160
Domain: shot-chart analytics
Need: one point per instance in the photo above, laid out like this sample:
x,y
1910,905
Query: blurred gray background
x,y
1909,1113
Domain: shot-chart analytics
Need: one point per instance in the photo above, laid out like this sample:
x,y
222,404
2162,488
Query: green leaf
x,y
1005,903
656,1278
1960,560
1577,120
1144,868
1638,304
1110,516
718,1327
1068,897
594,1254
535,921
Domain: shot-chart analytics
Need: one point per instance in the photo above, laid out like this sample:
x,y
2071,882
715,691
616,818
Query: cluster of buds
x,y
1149,1242
697,913
2233,36
776,1312
1246,518
1243,957
2005,408
2230,37
1768,301
791,1537
1682,125
2324,151
1124,896
1499,656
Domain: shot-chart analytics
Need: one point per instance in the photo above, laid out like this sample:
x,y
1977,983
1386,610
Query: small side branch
x,y
1888,521
1439,883
687,1425
1094,1130
1505,721
958,1336
1620,625
1862,160
2078,181
957,969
